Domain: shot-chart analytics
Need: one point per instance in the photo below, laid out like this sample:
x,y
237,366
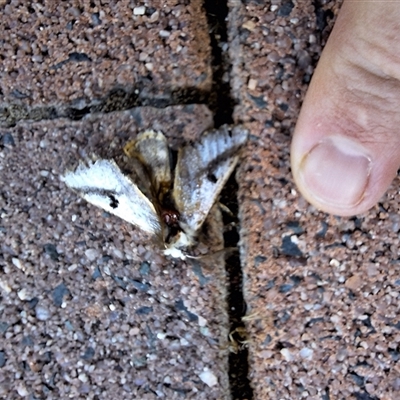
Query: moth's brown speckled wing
x,y
103,184
201,172
151,149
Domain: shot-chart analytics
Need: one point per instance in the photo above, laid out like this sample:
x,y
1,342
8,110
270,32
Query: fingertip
x,y
339,175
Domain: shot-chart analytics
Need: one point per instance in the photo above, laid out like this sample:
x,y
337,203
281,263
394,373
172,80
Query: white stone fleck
x,y
334,263
42,313
364,344
252,84
287,354
43,143
92,254
83,377
164,33
307,353
17,263
118,253
335,319
22,294
208,378
22,391
5,287
141,10
294,239
154,17
106,270
205,331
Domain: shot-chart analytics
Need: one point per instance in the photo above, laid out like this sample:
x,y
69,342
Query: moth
x,y
170,206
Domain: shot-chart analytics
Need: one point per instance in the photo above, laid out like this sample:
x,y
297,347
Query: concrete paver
x,y
68,58
90,308
321,291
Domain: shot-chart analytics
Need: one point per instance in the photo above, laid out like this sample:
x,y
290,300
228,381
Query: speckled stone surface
x,y
322,292
90,307
61,58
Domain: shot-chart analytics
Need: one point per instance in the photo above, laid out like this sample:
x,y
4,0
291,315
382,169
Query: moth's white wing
x,y
103,184
201,172
151,149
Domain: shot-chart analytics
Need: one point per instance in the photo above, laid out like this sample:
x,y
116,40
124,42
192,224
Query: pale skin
x,y
346,146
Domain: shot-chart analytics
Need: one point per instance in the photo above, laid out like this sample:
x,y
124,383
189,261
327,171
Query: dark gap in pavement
x,y
118,99
220,101
238,356
222,104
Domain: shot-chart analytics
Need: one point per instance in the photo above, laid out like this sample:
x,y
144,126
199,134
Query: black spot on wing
x,y
211,177
113,201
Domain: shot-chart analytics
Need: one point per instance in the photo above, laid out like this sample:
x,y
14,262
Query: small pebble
x,y
22,294
334,263
202,321
118,253
307,353
42,314
287,354
354,282
164,33
22,391
17,263
154,17
208,378
5,287
141,10
83,377
252,84
92,254
249,25
43,143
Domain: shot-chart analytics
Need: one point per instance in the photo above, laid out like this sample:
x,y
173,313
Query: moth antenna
x,y
226,251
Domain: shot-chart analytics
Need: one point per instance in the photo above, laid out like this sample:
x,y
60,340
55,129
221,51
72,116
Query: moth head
x,y
170,217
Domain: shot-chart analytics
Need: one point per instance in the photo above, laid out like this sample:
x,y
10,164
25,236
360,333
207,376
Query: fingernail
x,y
336,172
